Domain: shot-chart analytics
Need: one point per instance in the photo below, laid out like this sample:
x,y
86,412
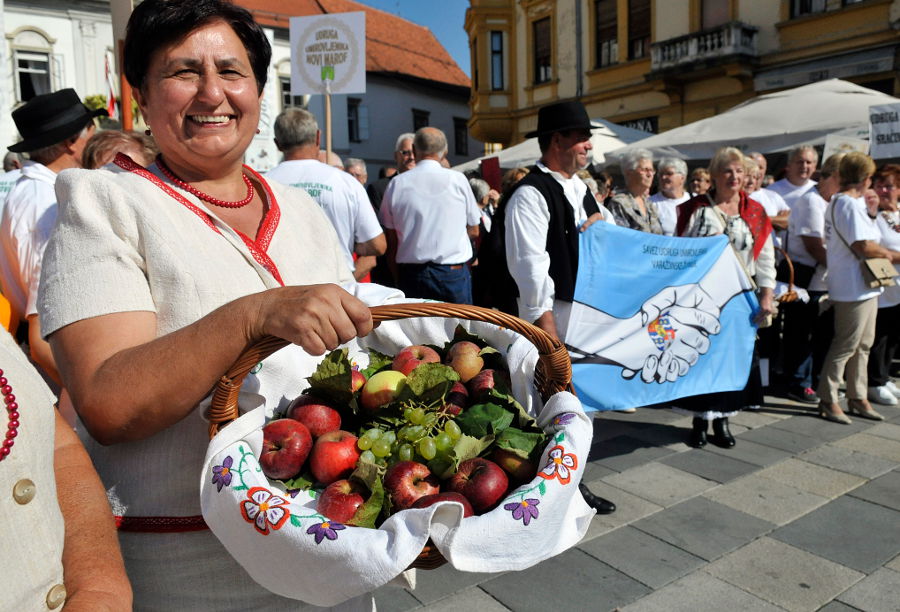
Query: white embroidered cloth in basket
x,y
290,549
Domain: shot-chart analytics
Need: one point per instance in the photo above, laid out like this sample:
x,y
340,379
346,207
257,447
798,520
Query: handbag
x,y
876,271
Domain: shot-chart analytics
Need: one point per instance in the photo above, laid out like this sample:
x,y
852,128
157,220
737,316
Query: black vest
x,y
562,234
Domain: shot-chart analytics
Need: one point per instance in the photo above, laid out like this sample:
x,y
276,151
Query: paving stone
x,y
471,599
395,599
436,584
718,468
820,429
812,478
884,490
750,452
784,575
573,581
659,483
643,557
853,532
753,419
723,529
629,508
664,435
873,445
879,592
836,606
700,591
595,471
886,430
766,498
623,452
849,461
894,564
783,439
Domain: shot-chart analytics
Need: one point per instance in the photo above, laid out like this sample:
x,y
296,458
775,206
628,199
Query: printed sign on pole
x,y
843,144
328,54
884,131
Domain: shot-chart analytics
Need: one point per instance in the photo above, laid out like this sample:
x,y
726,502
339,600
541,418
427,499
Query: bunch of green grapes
x,y
426,434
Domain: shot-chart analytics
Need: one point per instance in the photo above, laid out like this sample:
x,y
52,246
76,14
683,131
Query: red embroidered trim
x,y
752,212
160,524
270,222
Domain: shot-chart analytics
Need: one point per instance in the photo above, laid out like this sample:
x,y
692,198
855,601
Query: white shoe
x,y
631,410
893,388
882,395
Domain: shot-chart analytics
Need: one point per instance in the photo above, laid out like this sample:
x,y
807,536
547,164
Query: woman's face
x,y
200,99
699,184
640,179
730,179
888,192
752,181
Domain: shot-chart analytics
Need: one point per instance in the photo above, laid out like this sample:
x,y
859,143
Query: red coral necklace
x,y
205,196
12,408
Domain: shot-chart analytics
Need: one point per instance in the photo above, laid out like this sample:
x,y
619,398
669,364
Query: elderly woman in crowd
x,y
672,174
726,209
103,146
157,279
808,330
632,207
882,389
700,181
851,236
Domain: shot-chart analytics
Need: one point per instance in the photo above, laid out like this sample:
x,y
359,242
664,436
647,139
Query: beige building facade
x,y
659,64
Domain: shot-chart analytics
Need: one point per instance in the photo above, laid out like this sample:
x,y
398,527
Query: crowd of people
x,y
139,266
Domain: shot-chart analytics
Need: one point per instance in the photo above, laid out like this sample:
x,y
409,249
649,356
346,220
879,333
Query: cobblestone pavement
x,y
802,514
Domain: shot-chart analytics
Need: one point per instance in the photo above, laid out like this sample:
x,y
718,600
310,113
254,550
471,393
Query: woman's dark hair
x,y
155,24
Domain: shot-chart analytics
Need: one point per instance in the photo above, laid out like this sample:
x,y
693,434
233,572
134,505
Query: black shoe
x,y
721,434
697,439
803,394
602,506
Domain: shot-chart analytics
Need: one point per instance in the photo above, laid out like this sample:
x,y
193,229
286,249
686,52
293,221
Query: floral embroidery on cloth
x,y
264,509
560,465
222,473
325,529
524,510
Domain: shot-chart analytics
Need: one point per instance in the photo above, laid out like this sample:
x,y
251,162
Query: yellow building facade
x,y
659,64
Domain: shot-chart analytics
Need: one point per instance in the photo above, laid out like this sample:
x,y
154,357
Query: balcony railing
x,y
734,38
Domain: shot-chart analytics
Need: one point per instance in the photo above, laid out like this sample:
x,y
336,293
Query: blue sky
x,y
443,17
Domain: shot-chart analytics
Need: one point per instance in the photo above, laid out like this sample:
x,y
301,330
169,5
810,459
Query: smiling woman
x,y
158,278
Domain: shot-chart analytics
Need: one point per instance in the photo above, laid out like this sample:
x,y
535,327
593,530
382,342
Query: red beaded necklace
x,y
13,409
203,196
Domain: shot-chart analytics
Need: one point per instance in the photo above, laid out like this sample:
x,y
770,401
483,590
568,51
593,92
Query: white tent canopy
x,y
772,123
606,138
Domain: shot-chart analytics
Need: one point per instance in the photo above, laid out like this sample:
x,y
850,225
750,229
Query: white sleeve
x,y
765,265
527,222
473,213
384,211
367,225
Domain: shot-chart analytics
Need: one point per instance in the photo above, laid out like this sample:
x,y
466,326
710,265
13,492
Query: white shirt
x,y
341,197
774,205
790,192
7,180
25,226
888,223
668,210
527,223
852,223
430,208
808,219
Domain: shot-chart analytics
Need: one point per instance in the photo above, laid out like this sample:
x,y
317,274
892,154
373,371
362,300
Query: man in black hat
x,y
54,128
542,216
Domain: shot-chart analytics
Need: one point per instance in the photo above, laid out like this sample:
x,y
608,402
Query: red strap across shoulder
x,y
258,248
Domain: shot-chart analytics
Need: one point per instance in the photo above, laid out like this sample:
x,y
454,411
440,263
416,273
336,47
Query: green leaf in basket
x,y
429,382
521,443
377,362
482,420
331,379
302,481
466,447
523,420
367,513
461,334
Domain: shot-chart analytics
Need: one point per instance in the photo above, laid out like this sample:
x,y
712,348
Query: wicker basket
x,y
790,295
552,375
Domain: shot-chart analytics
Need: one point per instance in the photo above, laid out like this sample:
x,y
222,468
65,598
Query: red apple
x,y
341,499
381,389
286,444
456,400
357,380
481,481
519,469
412,357
334,456
318,416
407,481
484,381
465,358
428,500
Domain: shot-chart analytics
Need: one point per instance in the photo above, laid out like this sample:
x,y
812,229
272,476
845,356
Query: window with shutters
x,y
357,120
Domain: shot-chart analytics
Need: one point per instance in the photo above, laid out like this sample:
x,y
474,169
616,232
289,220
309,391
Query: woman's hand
x,y
590,221
767,305
318,318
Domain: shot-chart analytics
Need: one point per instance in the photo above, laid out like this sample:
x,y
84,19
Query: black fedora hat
x,y
562,116
51,118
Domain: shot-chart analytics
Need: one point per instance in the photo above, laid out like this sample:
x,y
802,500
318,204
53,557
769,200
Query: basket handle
x,y
553,372
791,295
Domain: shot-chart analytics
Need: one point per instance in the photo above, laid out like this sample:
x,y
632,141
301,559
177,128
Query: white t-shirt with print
x,y
846,219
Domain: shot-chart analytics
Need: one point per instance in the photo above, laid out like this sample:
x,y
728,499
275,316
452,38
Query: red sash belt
x,y
160,524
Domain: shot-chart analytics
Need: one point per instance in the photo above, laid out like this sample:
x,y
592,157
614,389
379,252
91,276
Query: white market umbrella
x,y
605,138
772,123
